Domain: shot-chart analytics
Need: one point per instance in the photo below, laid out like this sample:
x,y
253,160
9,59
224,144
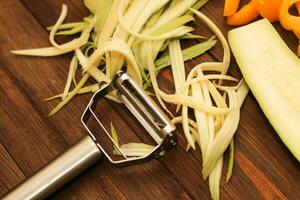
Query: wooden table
x,y
29,139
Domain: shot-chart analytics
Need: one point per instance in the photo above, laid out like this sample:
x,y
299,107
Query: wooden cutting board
x,y
29,139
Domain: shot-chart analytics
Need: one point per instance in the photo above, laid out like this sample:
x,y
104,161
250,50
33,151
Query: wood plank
x,y
24,133
21,128
34,85
10,173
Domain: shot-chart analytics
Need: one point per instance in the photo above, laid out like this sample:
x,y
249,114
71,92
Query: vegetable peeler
x,y
90,149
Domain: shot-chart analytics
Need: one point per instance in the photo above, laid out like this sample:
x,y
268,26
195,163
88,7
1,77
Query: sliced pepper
x,y
230,7
268,8
245,15
298,7
288,21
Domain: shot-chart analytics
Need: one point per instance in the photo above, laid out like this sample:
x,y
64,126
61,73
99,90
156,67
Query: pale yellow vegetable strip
x,y
222,87
219,100
212,66
58,23
171,15
201,119
91,88
163,30
73,31
209,117
231,160
91,4
70,75
205,78
208,127
115,138
94,71
175,10
101,13
214,180
242,92
137,145
75,43
71,94
195,137
198,5
178,71
64,48
193,103
169,26
195,134
215,175
173,23
136,152
114,134
220,36
188,53
193,129
217,97
190,36
151,7
186,128
154,18
132,14
206,66
223,137
44,52
110,24
67,25
177,64
115,45
171,34
135,149
114,98
151,68
164,46
218,122
155,47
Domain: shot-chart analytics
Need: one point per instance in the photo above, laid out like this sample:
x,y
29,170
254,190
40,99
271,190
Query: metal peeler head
x,y
143,108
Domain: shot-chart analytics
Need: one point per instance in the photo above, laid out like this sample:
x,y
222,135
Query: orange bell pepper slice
x,y
245,15
288,21
268,8
298,7
230,7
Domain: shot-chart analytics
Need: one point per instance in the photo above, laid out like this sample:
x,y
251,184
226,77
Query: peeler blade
x,y
156,124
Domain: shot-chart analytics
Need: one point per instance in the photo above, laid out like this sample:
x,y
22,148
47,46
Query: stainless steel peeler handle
x,y
58,172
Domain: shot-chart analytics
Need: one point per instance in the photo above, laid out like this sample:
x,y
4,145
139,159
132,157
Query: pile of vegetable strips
x,y
143,37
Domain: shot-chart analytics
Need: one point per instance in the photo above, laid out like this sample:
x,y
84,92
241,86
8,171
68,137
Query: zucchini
x,y
272,72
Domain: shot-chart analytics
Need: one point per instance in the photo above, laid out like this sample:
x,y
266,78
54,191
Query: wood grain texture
x,y
264,168
10,173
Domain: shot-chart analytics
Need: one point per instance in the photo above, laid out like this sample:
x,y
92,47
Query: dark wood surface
x,y
29,139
